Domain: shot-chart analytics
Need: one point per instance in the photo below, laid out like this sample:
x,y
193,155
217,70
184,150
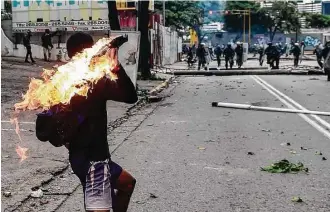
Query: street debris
x,y
293,152
265,130
43,202
153,196
140,202
284,166
154,98
296,199
7,194
318,153
37,194
303,148
210,141
286,144
324,158
201,148
251,153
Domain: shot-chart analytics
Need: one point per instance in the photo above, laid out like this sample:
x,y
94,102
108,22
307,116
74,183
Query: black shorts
x,y
98,179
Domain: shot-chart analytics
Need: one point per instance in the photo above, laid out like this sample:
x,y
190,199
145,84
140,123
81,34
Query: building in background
x,y
71,15
326,7
2,6
310,6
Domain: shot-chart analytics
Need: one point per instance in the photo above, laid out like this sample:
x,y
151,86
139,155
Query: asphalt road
x,y
188,155
194,157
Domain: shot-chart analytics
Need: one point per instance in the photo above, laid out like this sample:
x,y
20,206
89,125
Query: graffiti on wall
x,y
311,41
261,39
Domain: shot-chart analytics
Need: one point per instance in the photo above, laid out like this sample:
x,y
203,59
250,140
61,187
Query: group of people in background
x,y
271,52
205,55
46,43
274,52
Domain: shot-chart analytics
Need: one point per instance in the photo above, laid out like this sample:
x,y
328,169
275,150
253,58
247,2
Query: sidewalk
x,y
47,167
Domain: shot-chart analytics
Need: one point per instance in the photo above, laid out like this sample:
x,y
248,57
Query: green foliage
x,y
284,166
181,14
8,6
208,6
315,20
282,16
235,22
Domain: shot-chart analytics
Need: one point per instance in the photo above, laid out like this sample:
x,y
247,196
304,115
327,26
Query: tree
x,y
144,56
315,20
113,15
280,17
182,14
215,7
235,22
8,6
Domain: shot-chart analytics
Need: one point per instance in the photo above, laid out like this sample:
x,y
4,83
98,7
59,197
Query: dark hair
x,y
47,31
78,42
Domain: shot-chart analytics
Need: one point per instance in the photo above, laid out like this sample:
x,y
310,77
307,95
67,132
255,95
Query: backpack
x,y
58,125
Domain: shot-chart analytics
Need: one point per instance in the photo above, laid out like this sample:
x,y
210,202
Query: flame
x,y
21,151
15,121
75,77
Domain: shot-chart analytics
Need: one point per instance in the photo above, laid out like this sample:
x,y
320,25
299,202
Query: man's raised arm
x,y
120,90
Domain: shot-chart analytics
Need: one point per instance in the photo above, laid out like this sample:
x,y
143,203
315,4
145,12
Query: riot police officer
x,y
229,54
239,54
271,53
318,52
296,51
261,52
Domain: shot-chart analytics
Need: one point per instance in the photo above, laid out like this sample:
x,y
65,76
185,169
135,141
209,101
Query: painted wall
x,y
227,37
310,39
68,15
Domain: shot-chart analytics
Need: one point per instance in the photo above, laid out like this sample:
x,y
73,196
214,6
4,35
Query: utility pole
x,y
249,26
244,27
164,12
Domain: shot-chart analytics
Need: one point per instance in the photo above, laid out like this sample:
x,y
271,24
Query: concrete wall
x,y
310,38
6,25
225,37
128,53
170,45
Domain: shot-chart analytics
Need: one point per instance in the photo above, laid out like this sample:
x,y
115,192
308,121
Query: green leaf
x,y
296,199
284,166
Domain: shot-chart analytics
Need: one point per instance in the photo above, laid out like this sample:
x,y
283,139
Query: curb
x,y
285,58
229,73
159,88
244,68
